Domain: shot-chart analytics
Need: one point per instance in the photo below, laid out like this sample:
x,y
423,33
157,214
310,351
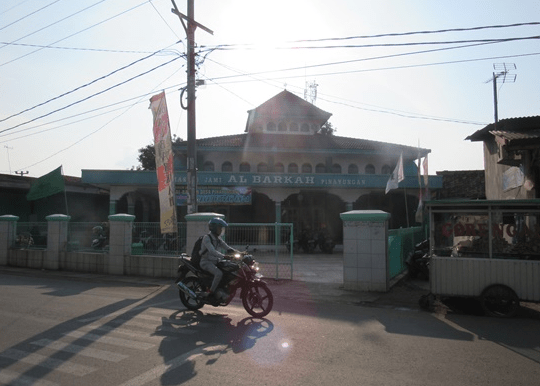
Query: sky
x,y
76,76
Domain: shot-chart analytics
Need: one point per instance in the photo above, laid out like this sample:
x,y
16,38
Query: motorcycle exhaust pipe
x,y
186,290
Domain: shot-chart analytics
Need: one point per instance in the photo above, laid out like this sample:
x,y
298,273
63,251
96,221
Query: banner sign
x,y
164,163
47,185
215,196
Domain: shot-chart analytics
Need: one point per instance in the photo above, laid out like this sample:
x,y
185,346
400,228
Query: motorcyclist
x,y
210,255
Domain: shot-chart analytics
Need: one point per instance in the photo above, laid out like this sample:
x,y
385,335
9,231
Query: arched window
x,y
320,168
336,168
293,127
282,126
245,167
292,168
370,169
262,167
304,128
353,169
306,168
226,166
279,168
271,126
386,170
208,166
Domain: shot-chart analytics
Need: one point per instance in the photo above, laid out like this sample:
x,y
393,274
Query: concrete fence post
x,y
365,245
196,226
57,237
8,232
120,239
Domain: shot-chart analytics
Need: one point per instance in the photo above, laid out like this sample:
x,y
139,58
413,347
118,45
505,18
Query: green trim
x,y
365,215
9,217
197,217
122,217
58,217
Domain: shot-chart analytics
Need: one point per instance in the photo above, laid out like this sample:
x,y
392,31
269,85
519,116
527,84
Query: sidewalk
x,y
316,278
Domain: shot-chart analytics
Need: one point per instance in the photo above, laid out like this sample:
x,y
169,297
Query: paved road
x,y
58,329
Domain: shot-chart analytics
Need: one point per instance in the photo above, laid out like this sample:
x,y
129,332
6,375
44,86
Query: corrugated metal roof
x,y
510,125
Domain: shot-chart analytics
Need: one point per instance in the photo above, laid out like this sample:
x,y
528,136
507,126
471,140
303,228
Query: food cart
x,y
485,249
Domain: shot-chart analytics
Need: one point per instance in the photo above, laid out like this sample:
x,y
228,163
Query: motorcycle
x,y
307,242
418,260
240,272
99,240
325,242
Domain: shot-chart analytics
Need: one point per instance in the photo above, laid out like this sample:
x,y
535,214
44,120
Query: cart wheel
x,y
427,302
500,301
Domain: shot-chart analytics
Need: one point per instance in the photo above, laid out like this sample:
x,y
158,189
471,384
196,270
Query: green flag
x,y
47,185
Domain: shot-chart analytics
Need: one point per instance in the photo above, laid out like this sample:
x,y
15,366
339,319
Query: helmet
x,y
216,224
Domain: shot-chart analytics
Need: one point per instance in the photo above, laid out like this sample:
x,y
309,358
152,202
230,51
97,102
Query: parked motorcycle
x,y
307,242
418,260
325,242
240,272
99,239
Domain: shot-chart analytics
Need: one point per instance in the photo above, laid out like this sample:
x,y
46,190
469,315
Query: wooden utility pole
x,y
192,132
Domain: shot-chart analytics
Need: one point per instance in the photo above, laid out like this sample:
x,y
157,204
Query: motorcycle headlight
x,y
237,256
255,267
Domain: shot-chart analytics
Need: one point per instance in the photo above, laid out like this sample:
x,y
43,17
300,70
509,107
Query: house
x,y
511,158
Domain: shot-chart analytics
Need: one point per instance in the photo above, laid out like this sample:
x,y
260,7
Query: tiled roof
x,y
467,184
510,126
290,142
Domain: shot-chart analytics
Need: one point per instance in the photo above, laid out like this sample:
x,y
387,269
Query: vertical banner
x,y
164,163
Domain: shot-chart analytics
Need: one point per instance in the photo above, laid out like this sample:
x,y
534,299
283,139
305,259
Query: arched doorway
x,y
313,211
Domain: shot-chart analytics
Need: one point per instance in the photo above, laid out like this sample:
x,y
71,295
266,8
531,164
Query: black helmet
x,y
216,224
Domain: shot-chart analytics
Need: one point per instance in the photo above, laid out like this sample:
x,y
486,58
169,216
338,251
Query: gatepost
x,y
365,242
57,236
120,238
197,225
8,232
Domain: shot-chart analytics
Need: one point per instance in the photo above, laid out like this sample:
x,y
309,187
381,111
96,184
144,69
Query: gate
x,y
270,244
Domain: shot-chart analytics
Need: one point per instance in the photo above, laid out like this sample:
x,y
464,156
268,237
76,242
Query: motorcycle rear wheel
x,y
194,284
258,300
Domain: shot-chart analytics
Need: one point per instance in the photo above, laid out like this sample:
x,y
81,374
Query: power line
x,y
73,34
77,48
89,97
83,86
395,34
30,14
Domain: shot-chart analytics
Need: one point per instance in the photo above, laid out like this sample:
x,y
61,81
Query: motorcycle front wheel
x,y
194,284
258,300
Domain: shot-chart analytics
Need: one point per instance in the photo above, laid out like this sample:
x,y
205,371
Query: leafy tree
x,y
327,129
147,155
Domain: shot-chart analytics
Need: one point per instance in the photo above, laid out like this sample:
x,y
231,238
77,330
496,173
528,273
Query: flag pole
x,y
65,193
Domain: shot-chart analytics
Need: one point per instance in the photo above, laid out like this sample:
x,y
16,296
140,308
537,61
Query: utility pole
x,y
192,133
9,162
22,173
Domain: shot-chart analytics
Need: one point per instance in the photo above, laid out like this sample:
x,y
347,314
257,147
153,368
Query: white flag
x,y
397,176
426,176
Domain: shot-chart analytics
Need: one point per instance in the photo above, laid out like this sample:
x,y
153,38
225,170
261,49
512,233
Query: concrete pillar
x,y
365,244
196,226
112,206
8,232
57,237
120,239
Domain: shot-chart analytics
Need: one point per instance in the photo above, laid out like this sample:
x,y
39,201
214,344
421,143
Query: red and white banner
x,y
164,163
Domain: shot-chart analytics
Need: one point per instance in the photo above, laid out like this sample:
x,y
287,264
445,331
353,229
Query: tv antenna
x,y
310,92
501,75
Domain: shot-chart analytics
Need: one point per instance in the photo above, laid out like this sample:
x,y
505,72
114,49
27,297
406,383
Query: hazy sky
x,y
76,76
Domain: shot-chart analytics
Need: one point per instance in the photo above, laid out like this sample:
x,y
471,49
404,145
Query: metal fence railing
x,y
148,239
31,235
269,245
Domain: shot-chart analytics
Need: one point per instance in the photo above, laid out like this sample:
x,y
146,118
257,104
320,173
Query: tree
x,y
147,155
327,129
